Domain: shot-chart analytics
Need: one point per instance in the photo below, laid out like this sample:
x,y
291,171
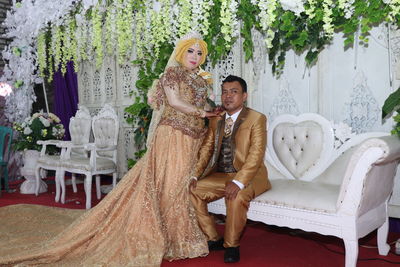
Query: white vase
x,y
28,171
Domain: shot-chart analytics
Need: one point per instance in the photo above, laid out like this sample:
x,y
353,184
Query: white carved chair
x,y
79,127
325,182
103,153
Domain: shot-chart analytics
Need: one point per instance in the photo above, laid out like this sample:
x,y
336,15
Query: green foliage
x,y
392,103
217,47
247,14
396,128
138,154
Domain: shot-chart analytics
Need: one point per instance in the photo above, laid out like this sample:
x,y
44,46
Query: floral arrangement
x,y
40,126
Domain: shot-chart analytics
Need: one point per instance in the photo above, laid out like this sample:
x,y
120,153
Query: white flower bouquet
x,y
40,126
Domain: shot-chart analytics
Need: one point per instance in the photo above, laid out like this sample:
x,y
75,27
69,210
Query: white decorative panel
x,y
128,83
96,87
109,84
362,112
395,52
284,102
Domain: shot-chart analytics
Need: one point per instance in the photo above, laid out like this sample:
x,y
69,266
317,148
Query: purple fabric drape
x,y
65,96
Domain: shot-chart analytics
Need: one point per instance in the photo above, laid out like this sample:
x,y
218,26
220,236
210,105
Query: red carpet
x,y
261,245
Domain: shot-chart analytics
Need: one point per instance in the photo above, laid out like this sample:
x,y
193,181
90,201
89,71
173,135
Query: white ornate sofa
x,y
327,180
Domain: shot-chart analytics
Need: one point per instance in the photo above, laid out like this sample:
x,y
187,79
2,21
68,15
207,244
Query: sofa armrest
x,y
363,181
391,149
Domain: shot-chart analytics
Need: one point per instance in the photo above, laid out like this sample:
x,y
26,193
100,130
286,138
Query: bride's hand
x,y
210,114
193,184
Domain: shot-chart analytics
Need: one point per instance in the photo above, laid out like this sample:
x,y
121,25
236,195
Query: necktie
x,y
228,126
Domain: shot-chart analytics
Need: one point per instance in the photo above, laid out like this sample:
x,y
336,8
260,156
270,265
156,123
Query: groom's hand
x,y
231,190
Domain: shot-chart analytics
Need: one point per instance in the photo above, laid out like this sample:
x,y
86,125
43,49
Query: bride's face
x,y
192,57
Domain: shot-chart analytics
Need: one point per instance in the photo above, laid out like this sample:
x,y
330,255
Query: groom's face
x,y
232,97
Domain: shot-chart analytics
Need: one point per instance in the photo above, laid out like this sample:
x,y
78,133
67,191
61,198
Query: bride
x,y
148,215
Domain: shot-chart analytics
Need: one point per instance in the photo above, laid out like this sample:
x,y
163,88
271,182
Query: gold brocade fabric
x,y
145,218
192,89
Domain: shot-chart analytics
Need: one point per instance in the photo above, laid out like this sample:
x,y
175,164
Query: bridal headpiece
x,y
189,35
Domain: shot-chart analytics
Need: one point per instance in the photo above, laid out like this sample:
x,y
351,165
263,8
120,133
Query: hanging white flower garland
x,y
230,24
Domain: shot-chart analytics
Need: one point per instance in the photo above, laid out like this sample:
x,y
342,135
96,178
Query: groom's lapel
x,y
219,133
242,116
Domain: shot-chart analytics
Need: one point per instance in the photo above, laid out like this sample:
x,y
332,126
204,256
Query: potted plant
x,y
40,126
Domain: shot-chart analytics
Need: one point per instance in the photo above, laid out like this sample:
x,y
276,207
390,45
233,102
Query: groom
x,y
230,165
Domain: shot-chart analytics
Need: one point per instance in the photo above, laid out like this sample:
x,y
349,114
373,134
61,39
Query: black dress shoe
x,y
216,245
232,255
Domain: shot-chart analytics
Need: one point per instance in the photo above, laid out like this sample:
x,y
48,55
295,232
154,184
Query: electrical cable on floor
x,y
359,259
367,246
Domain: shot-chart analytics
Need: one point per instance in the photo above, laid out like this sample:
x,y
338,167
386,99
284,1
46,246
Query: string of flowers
x,y
310,8
160,26
81,37
184,17
110,29
196,14
229,27
41,53
141,33
267,17
200,14
327,19
97,35
72,43
124,30
205,7
347,7
394,9
64,51
55,48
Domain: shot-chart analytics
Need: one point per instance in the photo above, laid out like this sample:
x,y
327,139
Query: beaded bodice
x,y
193,90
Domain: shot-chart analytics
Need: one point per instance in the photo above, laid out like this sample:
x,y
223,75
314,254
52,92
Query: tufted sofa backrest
x,y
300,146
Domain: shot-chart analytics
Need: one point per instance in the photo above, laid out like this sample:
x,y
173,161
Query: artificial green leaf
x,y
391,104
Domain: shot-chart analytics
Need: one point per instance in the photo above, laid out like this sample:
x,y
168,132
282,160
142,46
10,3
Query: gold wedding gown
x,y
145,218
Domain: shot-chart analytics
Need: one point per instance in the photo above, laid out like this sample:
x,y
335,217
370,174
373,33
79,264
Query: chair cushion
x,y
49,160
84,164
335,172
301,194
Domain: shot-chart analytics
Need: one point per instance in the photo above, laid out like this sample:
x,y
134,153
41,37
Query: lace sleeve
x,y
170,83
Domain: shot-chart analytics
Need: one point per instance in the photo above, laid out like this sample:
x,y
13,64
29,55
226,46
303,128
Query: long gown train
x,y
145,218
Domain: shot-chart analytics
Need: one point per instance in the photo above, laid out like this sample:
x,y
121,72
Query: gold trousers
x,y
212,188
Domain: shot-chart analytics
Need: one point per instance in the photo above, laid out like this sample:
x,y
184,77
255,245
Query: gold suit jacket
x,y
249,139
